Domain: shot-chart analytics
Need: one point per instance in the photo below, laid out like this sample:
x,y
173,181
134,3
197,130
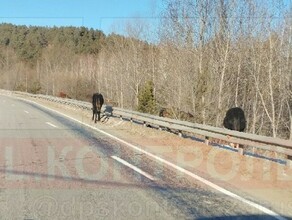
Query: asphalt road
x,y
53,168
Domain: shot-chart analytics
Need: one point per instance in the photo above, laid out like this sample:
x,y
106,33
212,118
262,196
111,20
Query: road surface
x,y
54,168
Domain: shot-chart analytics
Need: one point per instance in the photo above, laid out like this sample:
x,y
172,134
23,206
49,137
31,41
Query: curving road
x,y
53,168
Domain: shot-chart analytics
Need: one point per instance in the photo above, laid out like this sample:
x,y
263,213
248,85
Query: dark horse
x,y
235,119
97,102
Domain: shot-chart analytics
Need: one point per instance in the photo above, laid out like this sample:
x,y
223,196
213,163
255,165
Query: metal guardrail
x,y
256,141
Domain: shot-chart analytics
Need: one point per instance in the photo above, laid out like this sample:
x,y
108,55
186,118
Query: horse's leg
x,y
98,116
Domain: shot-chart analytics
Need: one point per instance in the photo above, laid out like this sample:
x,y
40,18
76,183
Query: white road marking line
x,y
49,123
26,112
133,167
206,182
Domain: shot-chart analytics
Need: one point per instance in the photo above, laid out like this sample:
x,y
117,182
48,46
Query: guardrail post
x,y
276,155
121,117
253,150
144,123
180,134
289,161
240,150
207,140
131,120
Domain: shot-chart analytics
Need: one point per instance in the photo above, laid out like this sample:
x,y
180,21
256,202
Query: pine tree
x,y
147,103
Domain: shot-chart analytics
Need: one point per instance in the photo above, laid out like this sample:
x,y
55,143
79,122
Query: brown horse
x,y
97,102
235,119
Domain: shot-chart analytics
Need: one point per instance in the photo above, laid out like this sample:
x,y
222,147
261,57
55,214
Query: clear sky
x,y
105,15
97,14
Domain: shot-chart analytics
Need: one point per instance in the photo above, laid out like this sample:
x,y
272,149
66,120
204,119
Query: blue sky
x,y
97,14
105,15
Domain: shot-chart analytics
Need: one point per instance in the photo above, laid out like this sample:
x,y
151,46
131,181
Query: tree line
x,y
208,56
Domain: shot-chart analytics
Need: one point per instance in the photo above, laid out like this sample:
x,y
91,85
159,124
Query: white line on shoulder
x,y
133,167
49,123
